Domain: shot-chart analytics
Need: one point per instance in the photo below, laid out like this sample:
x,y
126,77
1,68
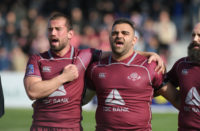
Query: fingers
x,y
152,58
160,68
71,72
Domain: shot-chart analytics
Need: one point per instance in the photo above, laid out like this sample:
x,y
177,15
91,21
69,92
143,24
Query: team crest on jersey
x,y
30,69
46,69
184,71
134,76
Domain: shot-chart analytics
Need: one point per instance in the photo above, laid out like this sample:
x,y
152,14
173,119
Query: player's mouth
x,y
54,41
119,43
195,45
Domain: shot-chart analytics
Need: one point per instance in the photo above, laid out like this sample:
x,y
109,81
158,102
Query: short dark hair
x,y
126,21
57,15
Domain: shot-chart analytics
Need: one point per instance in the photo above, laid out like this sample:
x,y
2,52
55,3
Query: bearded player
x,y
186,73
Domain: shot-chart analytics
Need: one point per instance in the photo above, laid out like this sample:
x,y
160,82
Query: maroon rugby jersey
x,y
186,75
63,107
124,91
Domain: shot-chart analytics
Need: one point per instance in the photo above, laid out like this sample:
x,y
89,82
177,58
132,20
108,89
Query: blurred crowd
x,y
159,24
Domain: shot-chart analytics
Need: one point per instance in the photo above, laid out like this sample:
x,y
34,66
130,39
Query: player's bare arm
x,y
88,96
37,88
171,94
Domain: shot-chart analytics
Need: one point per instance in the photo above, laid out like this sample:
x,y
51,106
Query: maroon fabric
x,y
63,107
124,90
186,75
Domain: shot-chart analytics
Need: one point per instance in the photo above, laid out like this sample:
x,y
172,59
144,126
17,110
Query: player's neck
x,y
64,51
122,56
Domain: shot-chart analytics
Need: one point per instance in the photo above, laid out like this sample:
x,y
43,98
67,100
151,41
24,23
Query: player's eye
x,y
125,33
114,33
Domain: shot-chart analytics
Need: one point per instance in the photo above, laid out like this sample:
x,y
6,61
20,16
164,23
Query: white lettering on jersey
x,y
59,92
193,97
114,98
134,76
46,69
102,75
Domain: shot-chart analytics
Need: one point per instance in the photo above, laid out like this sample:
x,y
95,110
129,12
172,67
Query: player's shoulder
x,y
182,60
43,55
92,51
140,59
86,51
143,61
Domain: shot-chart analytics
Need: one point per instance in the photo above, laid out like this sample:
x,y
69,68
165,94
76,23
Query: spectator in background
x,y
5,62
149,34
18,59
167,34
153,44
104,43
95,19
40,42
108,19
77,19
90,37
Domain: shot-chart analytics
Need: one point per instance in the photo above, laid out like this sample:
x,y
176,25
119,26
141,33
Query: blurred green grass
x,y
20,120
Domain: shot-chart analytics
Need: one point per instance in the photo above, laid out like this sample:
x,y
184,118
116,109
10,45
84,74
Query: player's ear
x,y
135,40
70,34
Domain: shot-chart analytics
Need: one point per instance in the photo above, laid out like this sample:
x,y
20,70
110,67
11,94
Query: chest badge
x,y
134,76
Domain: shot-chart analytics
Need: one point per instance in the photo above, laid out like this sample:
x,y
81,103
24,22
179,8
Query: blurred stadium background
x,y
162,26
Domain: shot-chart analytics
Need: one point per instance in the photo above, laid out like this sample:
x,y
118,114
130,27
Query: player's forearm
x,y
37,89
147,54
171,94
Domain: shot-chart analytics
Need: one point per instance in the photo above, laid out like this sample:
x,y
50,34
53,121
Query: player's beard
x,y
194,53
58,48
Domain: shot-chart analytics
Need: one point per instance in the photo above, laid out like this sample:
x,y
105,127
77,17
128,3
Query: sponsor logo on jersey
x,y
46,69
134,76
184,71
193,97
114,98
59,92
30,69
102,75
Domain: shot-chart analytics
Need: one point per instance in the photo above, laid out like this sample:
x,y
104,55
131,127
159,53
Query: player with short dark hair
x,y
124,83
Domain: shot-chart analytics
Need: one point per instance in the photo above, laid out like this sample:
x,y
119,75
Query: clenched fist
x,y
70,72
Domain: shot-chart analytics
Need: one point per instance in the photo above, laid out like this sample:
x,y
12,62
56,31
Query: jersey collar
x,y
69,54
127,60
